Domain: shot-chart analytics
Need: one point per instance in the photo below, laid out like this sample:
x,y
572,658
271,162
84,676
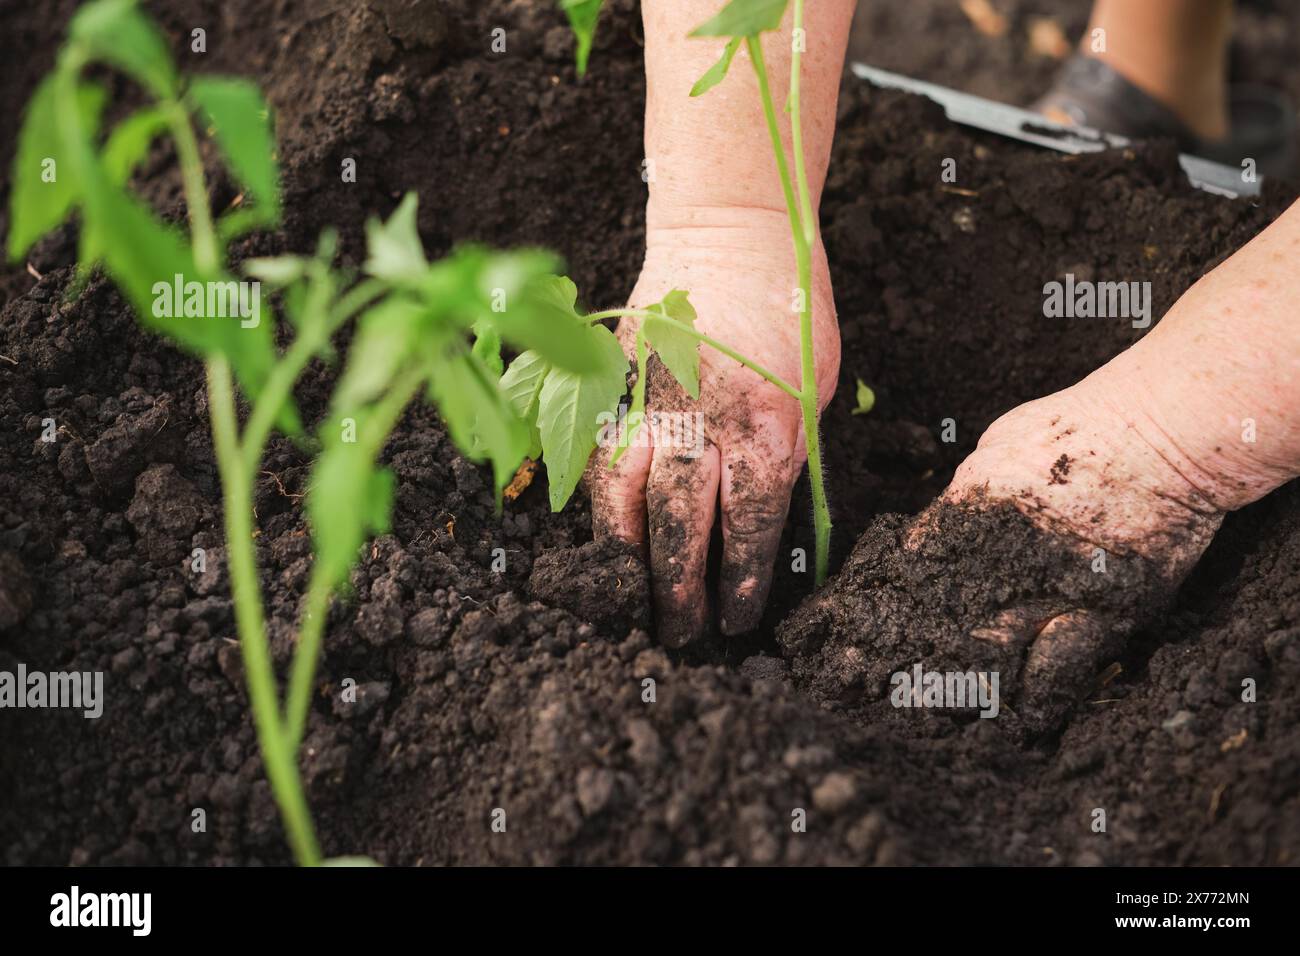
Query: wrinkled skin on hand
x,y
741,278
1061,534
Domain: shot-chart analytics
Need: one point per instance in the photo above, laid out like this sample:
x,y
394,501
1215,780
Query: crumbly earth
x,y
539,690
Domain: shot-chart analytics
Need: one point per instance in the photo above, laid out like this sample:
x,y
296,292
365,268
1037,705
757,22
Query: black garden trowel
x,y
1028,127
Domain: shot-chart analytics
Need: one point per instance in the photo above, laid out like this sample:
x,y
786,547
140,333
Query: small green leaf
x,y
145,257
129,143
583,15
866,398
542,315
386,336
487,347
744,18
38,202
349,498
276,271
479,419
678,351
570,409
394,248
522,387
116,32
718,72
241,122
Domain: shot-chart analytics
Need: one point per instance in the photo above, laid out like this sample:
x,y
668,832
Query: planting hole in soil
x,y
520,432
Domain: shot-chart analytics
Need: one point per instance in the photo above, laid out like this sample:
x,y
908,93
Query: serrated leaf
x,y
583,15
37,206
541,315
479,419
522,387
241,122
718,72
116,32
569,414
677,350
744,18
394,250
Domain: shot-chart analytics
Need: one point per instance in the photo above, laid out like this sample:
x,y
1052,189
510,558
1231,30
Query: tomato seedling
x,y
414,320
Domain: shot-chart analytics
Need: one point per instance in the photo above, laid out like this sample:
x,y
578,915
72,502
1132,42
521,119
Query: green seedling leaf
x,y
241,123
387,335
127,146
582,15
718,72
116,32
129,143
145,257
394,249
744,18
276,271
349,499
678,351
569,413
487,347
522,387
241,221
866,398
479,419
542,316
45,181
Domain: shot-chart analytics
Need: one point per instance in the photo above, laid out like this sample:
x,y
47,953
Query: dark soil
x,y
540,690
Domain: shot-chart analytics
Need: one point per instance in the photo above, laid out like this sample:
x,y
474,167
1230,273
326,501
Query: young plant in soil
x,y
669,326
413,318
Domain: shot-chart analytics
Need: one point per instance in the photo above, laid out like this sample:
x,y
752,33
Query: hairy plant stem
x,y
237,463
278,753
803,230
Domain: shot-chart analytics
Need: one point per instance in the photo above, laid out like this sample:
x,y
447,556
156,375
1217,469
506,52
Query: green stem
x,y
311,631
807,219
708,340
316,607
207,254
802,227
237,487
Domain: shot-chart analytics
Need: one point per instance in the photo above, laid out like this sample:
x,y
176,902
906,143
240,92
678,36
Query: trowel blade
x,y
1016,123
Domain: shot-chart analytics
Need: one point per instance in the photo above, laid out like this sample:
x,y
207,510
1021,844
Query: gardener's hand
x,y
716,226
739,268
1079,514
